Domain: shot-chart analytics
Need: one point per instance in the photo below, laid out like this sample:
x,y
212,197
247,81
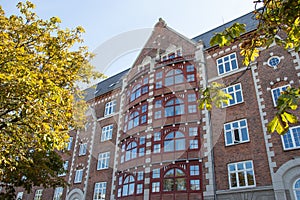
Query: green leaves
x,y
213,95
287,101
228,35
39,69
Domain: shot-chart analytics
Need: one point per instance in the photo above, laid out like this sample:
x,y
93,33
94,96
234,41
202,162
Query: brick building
x,y
147,139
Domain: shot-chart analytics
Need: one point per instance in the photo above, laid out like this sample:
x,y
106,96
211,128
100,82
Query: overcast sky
x,y
107,22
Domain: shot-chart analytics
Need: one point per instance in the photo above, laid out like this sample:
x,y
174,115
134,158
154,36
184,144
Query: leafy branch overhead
x,y
38,75
278,23
287,102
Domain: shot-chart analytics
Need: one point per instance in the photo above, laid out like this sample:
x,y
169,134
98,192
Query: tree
x,y
39,99
278,22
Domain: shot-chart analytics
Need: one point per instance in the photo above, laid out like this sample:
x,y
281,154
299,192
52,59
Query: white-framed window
x,y
155,187
58,192
236,132
38,194
82,149
227,64
66,164
276,92
103,160
78,176
19,196
100,191
110,108
106,133
237,95
69,147
241,174
296,188
291,140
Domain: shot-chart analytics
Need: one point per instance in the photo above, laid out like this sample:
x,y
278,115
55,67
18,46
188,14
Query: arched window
x,y
174,180
128,186
135,92
174,107
174,141
174,76
297,189
131,151
133,120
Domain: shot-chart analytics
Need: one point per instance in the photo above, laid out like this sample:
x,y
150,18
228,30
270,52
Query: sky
x,y
116,30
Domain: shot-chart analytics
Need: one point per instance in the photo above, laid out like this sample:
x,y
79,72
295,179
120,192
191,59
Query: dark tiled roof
x,y
247,19
105,86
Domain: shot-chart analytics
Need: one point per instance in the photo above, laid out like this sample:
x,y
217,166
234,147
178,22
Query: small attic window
x,y
274,61
111,85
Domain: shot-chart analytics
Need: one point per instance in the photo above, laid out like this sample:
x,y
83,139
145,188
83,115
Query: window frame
x,y
78,176
292,137
58,192
236,171
174,141
174,179
103,160
110,108
69,147
38,194
296,189
281,89
234,95
99,186
223,62
82,149
233,133
107,132
175,108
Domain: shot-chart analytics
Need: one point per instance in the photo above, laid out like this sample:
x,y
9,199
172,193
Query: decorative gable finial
x,y
160,23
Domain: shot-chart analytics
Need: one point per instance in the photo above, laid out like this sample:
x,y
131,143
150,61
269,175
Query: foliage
x,y
38,92
41,170
279,22
214,94
287,101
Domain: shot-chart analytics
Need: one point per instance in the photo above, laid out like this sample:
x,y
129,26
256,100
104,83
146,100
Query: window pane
x,y
168,185
195,184
181,184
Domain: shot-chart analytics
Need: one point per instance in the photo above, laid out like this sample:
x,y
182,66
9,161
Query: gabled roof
x,y
248,19
115,81
105,86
